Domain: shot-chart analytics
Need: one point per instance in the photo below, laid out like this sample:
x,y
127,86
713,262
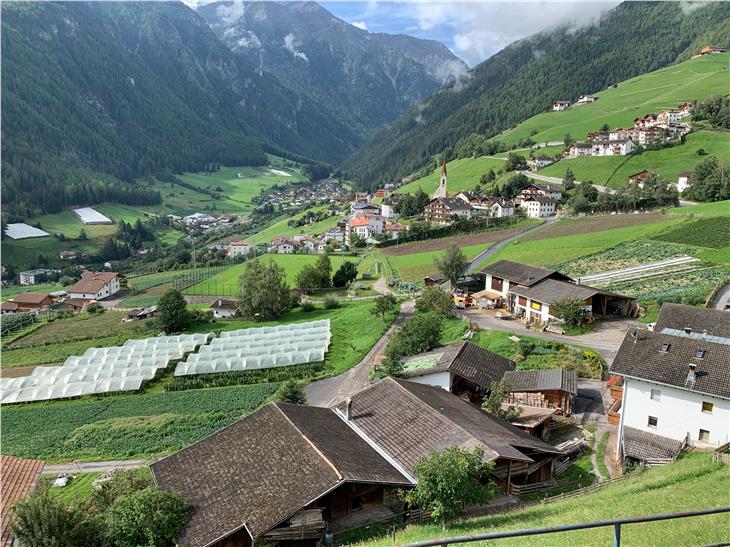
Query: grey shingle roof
x,y
680,316
265,467
642,445
552,290
542,380
523,274
410,421
641,356
478,365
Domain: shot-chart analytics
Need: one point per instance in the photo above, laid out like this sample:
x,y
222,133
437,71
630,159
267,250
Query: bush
x,y
420,333
331,303
94,308
122,483
308,306
291,392
435,300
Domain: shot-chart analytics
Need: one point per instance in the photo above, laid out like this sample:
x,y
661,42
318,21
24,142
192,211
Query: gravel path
x,y
94,467
328,392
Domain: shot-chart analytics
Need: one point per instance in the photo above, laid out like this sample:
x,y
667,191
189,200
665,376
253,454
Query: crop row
x,y
683,286
706,232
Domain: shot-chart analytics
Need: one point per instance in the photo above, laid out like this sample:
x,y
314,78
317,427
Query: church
x,y
442,209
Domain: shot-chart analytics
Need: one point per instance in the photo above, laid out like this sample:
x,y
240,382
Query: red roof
x,y
359,221
18,477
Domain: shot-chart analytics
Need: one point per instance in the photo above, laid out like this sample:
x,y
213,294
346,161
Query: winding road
x,y
486,253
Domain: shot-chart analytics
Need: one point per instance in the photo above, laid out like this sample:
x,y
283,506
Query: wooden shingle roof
x,y
642,445
699,320
18,478
542,380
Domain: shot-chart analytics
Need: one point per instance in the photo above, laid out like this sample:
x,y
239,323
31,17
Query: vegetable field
x,y
125,426
707,232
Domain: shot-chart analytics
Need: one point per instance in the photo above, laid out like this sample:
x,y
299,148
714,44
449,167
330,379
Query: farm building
x,y
9,307
553,389
287,473
459,368
32,301
95,285
18,478
224,308
559,106
33,277
87,215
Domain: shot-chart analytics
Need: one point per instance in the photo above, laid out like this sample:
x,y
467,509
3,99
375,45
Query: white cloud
x,y
291,44
360,25
231,12
249,40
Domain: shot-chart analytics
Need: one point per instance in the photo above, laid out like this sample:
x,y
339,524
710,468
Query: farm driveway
x,y
94,467
605,338
481,257
723,298
328,392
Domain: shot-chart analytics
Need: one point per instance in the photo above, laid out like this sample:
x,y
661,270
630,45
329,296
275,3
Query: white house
x,y
95,285
502,208
684,181
387,209
580,150
238,248
33,277
284,248
613,148
676,386
586,99
538,162
559,106
539,206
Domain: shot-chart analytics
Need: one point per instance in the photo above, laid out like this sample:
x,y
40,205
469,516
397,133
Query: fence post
x,y
617,535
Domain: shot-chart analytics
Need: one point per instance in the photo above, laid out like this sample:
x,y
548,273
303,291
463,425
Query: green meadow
x,y
618,106
414,267
463,174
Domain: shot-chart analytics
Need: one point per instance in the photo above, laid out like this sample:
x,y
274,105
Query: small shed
x,y
553,388
223,308
433,280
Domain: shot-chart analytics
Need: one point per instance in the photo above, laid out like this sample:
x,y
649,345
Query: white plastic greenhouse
x,y
260,348
101,370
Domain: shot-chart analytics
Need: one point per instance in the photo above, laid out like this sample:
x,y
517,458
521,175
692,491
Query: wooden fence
x,y
722,454
593,487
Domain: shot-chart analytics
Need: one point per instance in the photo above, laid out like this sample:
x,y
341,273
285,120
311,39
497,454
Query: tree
x,y
291,392
263,292
488,177
82,235
420,333
384,305
151,517
172,312
569,179
45,521
498,392
453,264
433,299
122,483
315,276
448,481
605,127
514,186
569,310
568,140
345,274
515,162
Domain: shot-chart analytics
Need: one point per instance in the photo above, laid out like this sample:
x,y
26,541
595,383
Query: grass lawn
x,y
415,266
667,162
9,292
78,490
226,282
124,426
281,227
718,208
464,174
618,106
693,482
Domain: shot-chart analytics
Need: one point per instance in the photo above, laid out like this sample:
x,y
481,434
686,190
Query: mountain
x,y
363,79
102,92
524,78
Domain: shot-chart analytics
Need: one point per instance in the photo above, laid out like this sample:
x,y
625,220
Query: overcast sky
x,y
473,30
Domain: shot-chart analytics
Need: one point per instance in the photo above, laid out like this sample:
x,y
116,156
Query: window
x,y
704,436
707,407
700,353
656,394
652,421
665,347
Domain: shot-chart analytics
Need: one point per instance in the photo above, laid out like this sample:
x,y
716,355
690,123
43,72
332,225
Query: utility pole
x,y
195,275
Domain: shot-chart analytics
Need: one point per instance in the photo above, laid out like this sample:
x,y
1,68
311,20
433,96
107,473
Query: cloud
x,y
452,69
232,12
291,44
360,25
250,40
689,7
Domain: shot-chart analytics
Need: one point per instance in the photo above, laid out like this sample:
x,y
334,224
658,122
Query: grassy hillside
x,y
415,266
618,106
282,228
463,174
691,483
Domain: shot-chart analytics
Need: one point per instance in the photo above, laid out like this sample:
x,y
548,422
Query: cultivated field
x,y
693,482
618,106
587,225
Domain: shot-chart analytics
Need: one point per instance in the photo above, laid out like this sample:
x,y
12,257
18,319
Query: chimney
x,y
348,409
687,330
691,376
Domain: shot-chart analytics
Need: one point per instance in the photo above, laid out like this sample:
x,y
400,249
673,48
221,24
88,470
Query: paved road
x,y
381,286
328,392
94,467
605,338
723,298
481,257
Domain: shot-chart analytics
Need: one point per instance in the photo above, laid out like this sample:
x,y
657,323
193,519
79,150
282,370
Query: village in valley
x,y
280,354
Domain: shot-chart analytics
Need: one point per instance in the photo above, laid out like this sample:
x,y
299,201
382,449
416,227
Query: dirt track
x,y
460,240
596,224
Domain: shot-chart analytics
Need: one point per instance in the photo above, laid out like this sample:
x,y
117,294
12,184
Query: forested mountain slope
x,y
97,92
524,78
361,78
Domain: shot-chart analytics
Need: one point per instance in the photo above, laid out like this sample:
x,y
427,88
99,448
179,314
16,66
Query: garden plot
x,y
101,370
261,348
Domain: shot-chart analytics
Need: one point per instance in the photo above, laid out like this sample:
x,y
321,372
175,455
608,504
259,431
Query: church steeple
x,y
441,192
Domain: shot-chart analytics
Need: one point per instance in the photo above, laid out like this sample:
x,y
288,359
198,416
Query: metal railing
x,y
615,523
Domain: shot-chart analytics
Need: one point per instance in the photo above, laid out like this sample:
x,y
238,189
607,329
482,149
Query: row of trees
x,y
715,109
710,181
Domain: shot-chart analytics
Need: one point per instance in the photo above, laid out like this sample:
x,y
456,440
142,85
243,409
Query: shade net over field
x,y
260,348
101,370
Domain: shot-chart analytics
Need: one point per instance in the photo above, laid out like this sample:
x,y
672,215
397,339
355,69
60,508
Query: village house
x,y
224,308
684,181
303,241
545,190
580,150
538,162
387,208
676,387
559,106
394,229
501,208
32,301
67,255
552,388
641,136
613,148
598,136
283,247
238,248
461,368
639,178
286,473
364,208
587,99
709,50
539,206
34,277
95,285
444,210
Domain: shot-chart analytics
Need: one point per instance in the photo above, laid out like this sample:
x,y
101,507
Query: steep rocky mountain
x,y
524,78
364,79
